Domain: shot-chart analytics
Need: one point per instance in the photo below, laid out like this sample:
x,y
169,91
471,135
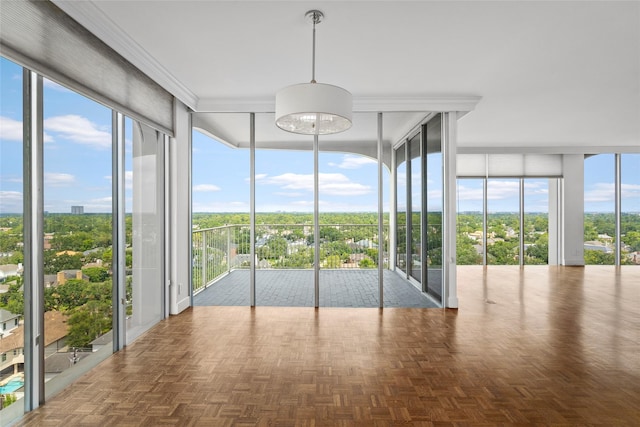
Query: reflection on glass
x,y
77,229
417,255
630,209
401,204
11,238
503,228
434,194
469,247
144,228
536,221
599,209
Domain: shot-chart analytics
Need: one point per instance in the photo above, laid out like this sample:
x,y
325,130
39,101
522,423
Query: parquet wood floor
x,y
534,346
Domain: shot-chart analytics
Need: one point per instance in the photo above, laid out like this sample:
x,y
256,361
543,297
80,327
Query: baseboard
x,y
183,305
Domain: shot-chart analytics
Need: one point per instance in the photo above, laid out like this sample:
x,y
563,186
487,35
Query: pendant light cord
x,y
313,51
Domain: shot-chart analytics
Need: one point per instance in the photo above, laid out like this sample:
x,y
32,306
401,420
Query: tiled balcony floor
x,y
294,288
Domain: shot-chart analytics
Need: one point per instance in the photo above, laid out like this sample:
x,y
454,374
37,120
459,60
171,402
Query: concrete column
x,y
555,221
449,209
573,209
180,211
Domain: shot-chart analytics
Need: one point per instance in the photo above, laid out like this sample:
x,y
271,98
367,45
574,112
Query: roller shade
x,y
509,165
41,37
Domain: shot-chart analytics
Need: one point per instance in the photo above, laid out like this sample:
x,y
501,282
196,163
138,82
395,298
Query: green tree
x,y
96,274
598,258
466,253
278,246
366,263
632,238
333,261
503,253
54,263
15,304
8,399
88,322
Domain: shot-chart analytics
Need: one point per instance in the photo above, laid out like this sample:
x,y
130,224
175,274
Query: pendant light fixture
x,y
313,108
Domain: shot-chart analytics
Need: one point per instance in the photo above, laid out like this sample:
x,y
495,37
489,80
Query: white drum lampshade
x,y
313,109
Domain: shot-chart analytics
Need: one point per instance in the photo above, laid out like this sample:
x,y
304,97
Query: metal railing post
x,y
203,254
228,252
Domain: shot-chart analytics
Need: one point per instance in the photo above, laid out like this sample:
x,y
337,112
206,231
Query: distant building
x,y
597,246
9,270
8,321
77,210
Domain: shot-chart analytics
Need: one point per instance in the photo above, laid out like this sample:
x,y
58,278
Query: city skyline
x,y
77,168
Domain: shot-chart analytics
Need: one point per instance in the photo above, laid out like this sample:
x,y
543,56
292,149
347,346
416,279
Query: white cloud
x,y
605,192
80,130
59,179
205,188
466,193
102,200
289,194
630,191
600,192
10,130
500,190
350,161
11,201
220,207
334,184
10,196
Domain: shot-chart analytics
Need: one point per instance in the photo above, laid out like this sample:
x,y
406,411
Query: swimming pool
x,y
11,386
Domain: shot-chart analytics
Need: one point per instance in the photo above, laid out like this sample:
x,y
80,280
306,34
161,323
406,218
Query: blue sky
x,y
284,180
77,166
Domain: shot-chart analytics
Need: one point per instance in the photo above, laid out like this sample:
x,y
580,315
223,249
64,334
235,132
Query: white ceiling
x,y
549,76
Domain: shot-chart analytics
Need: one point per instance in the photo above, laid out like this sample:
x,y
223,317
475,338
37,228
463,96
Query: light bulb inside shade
x,y
313,109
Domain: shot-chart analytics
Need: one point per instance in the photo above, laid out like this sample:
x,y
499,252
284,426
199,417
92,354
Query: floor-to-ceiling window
x,y
433,208
469,239
348,237
77,228
419,207
284,206
415,208
220,219
630,209
503,215
599,209
349,241
401,207
536,221
74,278
11,238
57,178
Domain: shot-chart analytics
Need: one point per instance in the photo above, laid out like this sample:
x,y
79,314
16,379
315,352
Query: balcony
x,y
284,267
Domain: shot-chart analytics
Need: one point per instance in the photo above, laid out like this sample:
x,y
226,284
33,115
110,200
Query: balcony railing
x,y
219,250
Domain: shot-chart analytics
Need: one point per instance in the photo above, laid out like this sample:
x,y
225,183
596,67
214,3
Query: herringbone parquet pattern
x,y
539,345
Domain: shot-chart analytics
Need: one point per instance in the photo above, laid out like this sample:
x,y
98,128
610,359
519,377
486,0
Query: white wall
x,y
180,210
573,209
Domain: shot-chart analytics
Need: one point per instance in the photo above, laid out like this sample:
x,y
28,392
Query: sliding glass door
x,y
433,194
419,207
